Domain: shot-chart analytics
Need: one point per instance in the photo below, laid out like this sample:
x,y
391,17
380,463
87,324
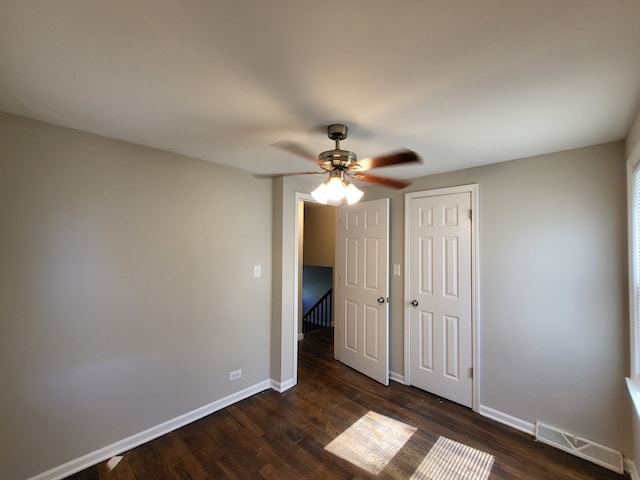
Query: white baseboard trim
x,y
396,377
530,428
282,387
506,419
630,468
102,454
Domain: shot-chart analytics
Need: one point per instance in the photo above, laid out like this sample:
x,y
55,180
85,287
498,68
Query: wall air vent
x,y
580,447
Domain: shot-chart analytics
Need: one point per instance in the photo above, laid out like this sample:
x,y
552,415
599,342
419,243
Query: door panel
x,y
362,289
351,262
351,326
372,256
371,319
425,332
450,270
440,328
425,259
451,343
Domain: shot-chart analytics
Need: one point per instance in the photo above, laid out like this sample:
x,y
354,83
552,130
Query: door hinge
x,y
471,372
471,215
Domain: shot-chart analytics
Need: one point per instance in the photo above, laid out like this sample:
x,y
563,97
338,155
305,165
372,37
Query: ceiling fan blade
x,y
274,175
395,158
298,150
384,181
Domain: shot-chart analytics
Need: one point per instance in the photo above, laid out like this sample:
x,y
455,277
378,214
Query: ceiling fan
x,y
343,165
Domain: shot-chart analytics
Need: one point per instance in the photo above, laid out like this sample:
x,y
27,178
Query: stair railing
x,y
318,316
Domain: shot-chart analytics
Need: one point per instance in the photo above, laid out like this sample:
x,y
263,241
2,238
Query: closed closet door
x,y
440,318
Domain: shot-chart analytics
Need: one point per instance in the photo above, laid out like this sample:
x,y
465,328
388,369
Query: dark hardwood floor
x,y
283,436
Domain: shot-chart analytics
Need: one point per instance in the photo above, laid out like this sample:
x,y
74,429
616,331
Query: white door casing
x,y
362,289
440,284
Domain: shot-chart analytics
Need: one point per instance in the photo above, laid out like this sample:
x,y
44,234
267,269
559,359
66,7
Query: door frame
x,y
300,199
473,190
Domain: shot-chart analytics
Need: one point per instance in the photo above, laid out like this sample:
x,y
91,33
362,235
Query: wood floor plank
x,y
284,436
179,458
148,463
204,449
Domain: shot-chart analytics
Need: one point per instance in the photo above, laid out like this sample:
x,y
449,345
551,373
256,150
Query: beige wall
x,y
126,290
633,157
632,144
319,235
553,288
284,333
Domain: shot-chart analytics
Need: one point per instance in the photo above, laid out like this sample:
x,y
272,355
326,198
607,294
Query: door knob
x,y
414,303
380,299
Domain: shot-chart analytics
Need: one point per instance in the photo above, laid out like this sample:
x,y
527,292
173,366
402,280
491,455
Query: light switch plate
x,y
257,271
396,269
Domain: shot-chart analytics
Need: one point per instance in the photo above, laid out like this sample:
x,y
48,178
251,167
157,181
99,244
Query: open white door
x,y
362,289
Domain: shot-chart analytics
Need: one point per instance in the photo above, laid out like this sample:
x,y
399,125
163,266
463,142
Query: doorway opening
x,y
316,266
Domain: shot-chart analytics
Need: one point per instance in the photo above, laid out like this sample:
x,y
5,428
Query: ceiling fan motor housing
x,y
336,159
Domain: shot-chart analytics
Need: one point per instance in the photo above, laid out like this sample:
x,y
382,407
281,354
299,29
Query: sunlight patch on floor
x,y
450,460
371,442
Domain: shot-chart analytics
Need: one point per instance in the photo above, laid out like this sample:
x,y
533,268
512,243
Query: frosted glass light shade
x,y
352,193
320,193
335,189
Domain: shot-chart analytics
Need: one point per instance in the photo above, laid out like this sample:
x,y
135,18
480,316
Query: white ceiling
x,y
462,82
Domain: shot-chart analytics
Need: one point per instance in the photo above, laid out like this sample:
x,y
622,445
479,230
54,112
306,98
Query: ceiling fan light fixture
x,y
335,189
352,193
320,193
